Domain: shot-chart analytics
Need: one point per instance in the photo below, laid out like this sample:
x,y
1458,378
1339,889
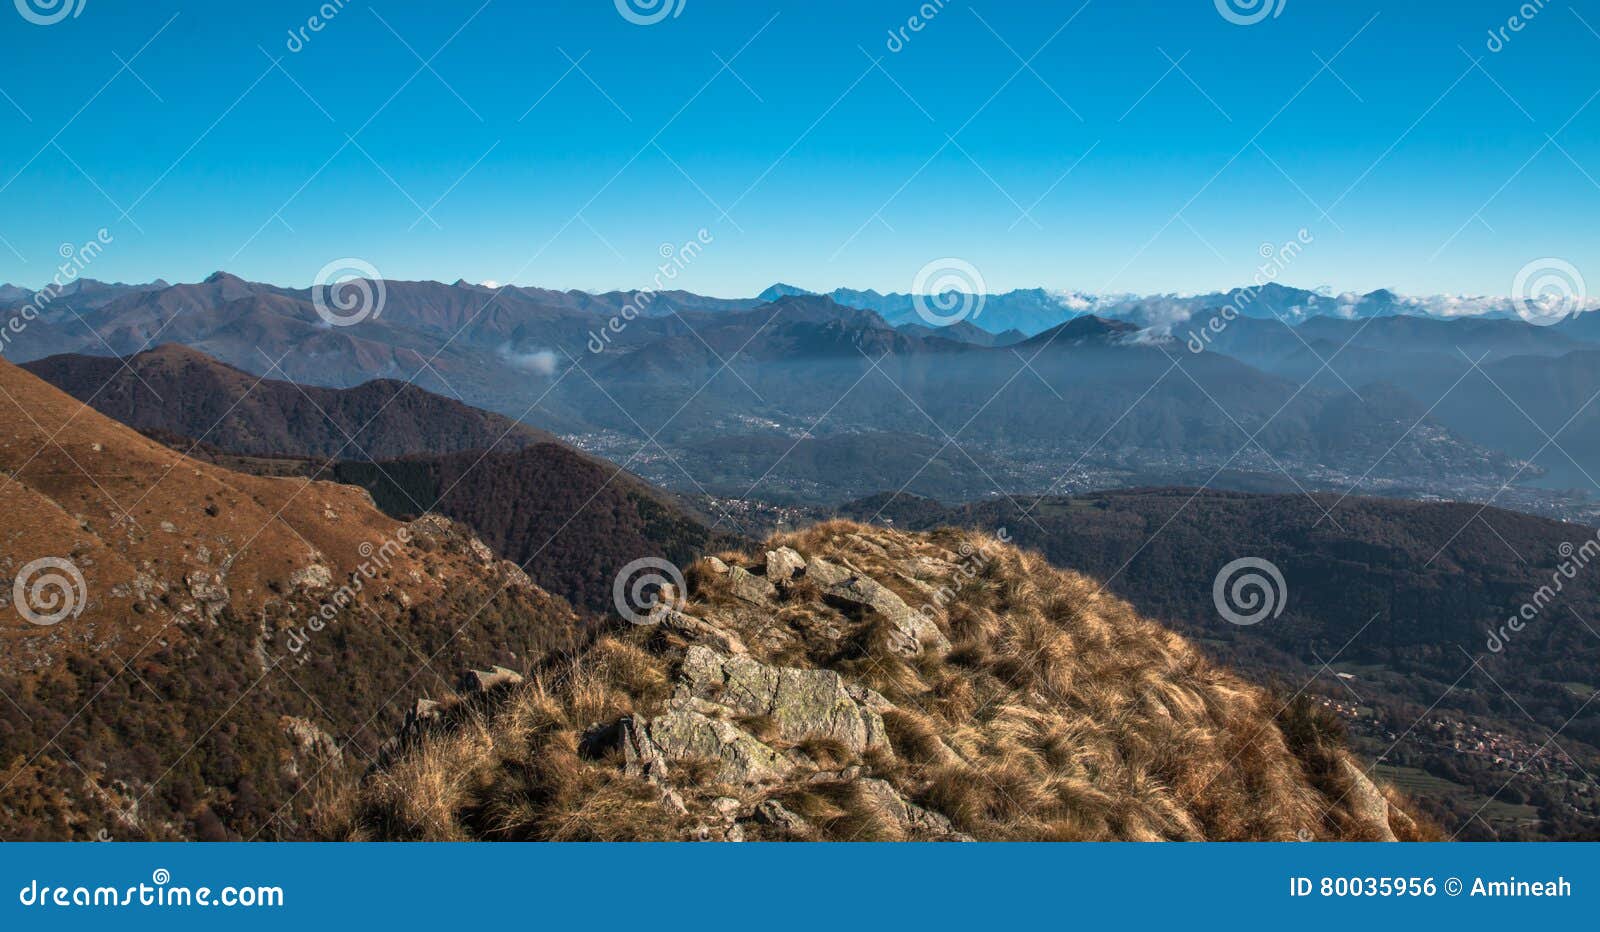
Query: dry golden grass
x,y
1058,713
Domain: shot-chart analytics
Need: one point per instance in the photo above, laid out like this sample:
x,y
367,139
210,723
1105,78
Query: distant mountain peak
x,y
780,290
1085,329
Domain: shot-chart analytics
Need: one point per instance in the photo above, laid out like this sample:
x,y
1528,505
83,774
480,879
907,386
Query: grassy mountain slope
x,y
809,697
1400,597
234,641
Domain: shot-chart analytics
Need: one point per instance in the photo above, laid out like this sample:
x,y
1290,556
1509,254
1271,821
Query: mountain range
x,y
667,384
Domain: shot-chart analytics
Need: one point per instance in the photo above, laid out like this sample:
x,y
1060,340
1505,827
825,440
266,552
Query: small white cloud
x,y
538,361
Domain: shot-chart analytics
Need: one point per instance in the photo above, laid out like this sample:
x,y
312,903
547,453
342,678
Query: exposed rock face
x,y
750,587
691,729
912,631
1367,801
802,703
784,564
917,823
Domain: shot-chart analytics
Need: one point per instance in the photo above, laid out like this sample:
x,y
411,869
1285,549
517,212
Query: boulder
x,y
917,823
750,587
687,731
1367,801
913,631
784,564
803,703
825,574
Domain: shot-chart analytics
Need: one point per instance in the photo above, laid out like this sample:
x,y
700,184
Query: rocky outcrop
x,y
911,631
795,694
913,821
801,703
1366,801
693,729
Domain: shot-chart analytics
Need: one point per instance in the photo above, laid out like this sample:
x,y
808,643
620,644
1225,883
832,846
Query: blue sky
x,y
1100,166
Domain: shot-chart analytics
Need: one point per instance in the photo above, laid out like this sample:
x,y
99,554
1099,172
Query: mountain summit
x,y
861,684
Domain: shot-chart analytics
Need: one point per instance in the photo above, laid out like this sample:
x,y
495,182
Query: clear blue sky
x,y
831,171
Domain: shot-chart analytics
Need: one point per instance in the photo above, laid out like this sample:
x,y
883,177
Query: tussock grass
x,y
1059,713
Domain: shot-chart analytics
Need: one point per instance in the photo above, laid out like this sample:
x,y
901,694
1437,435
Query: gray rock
x,y
1367,801
913,630
917,823
696,629
803,703
750,587
716,564
784,563
686,731
776,814
824,573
